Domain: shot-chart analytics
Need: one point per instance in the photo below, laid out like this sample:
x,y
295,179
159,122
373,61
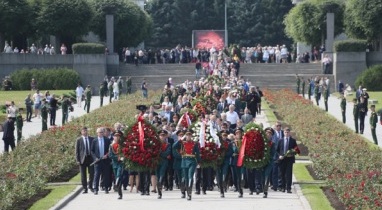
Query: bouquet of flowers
x,y
188,116
141,146
291,153
199,108
256,147
208,144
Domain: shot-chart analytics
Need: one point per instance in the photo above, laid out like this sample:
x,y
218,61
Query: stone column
x,y
110,33
329,32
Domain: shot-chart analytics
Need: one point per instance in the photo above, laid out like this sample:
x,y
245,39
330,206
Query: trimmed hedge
x,y
350,46
88,48
370,78
47,79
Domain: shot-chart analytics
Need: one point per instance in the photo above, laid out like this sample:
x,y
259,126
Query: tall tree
x,y
363,20
67,20
15,22
306,22
132,25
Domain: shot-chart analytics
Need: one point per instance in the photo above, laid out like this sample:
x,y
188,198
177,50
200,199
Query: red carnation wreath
x,y
141,147
257,148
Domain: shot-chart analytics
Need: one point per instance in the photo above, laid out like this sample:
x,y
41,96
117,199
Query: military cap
x,y
189,131
180,131
224,132
269,129
142,108
162,132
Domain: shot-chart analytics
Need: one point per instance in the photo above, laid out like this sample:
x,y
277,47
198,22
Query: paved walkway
x,y
34,127
171,199
334,109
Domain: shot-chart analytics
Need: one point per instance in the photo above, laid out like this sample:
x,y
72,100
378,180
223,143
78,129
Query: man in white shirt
x,y
79,93
232,117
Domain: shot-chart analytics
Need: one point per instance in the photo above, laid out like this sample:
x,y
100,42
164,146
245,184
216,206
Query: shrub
x,y
88,48
371,78
350,46
47,79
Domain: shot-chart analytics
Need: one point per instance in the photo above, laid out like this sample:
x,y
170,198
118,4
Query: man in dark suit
x,y
9,133
286,159
169,176
99,150
84,159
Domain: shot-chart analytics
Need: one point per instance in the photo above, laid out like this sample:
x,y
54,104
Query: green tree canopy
x,y
306,22
363,19
67,20
15,21
132,25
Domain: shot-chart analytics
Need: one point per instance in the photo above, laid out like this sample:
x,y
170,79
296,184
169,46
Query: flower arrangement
x,y
199,108
141,155
257,148
209,152
192,115
291,152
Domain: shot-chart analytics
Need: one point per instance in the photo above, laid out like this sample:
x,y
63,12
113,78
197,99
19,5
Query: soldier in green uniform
x,y
190,159
88,98
101,93
19,125
317,94
128,85
65,109
326,96
44,115
309,89
237,170
373,123
303,87
343,108
163,163
177,149
356,114
117,162
298,80
222,169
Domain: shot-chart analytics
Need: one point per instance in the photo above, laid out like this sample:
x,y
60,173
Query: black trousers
x,y
29,113
169,177
144,181
286,167
356,124
362,121
102,167
8,143
52,116
203,179
90,169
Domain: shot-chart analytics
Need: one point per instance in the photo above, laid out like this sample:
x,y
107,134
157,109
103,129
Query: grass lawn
x,y
268,112
373,95
312,192
57,193
19,96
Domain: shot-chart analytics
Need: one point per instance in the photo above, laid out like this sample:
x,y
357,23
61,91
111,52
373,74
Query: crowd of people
x,y
33,49
234,103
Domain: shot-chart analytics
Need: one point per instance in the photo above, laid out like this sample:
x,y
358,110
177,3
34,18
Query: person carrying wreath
x,y
237,170
267,170
163,163
176,152
117,162
222,169
190,159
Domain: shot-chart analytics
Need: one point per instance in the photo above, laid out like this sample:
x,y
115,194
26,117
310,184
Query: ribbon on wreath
x,y
202,134
185,120
141,133
240,159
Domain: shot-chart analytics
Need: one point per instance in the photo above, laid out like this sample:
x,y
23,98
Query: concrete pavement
x,y
34,127
334,109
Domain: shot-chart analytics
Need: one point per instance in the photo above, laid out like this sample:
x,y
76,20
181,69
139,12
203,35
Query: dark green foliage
x,y
306,22
249,21
363,19
131,24
47,79
88,48
350,46
371,78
